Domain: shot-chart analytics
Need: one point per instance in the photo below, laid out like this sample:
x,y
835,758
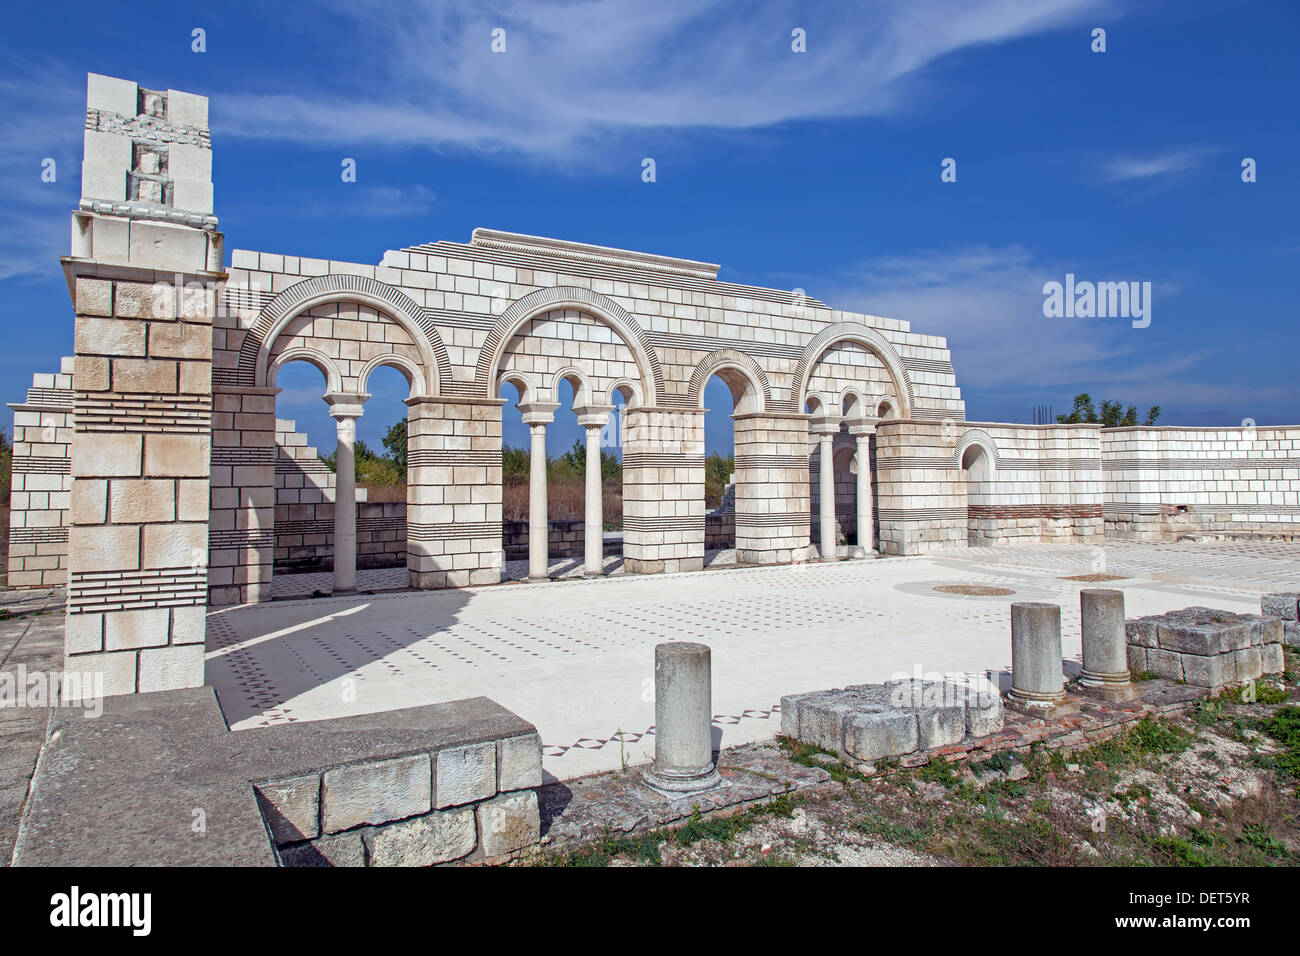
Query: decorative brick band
x,y
125,590
416,531
922,514
664,523
1197,464
326,525
239,455
1049,464
29,465
771,461
143,412
1156,508
914,461
453,458
152,129
661,459
38,535
783,519
1034,511
60,398
242,538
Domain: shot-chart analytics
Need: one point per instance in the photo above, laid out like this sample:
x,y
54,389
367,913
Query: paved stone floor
x,y
575,657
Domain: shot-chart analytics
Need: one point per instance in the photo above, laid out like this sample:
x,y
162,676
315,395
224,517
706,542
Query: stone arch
x,y
630,390
979,439
254,353
529,389
732,366
868,338
576,378
410,371
323,363
541,301
854,406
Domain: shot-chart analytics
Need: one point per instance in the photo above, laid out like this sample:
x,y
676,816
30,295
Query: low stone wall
x,y
719,530
870,722
1162,484
1205,647
1286,608
567,540
475,803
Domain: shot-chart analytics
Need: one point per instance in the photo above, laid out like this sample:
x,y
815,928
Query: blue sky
x,y
817,170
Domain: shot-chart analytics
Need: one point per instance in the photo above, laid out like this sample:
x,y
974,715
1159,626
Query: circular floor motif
x,y
973,590
1094,577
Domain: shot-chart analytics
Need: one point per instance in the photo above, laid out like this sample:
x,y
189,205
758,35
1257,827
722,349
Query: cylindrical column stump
x,y
683,719
1105,648
1037,680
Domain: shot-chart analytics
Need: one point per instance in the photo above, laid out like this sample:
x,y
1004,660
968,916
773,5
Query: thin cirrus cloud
x,y
1127,168
584,73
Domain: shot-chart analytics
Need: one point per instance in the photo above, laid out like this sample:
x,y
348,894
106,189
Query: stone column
x,y
537,415
1037,682
593,418
345,410
145,290
866,522
825,427
1105,646
683,719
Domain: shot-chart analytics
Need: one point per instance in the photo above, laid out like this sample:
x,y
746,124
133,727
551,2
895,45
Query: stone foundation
x,y
871,722
1205,647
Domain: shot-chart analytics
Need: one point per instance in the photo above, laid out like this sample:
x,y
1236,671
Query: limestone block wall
x,y
565,539
1037,483
1165,483
846,489
921,494
453,499
663,491
40,482
242,543
771,481
720,529
139,502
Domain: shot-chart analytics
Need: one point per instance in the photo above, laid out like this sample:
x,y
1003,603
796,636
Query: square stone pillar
x,y
772,497
663,490
145,278
453,492
242,535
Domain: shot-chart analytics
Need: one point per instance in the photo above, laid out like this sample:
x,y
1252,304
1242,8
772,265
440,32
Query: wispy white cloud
x,y
988,302
579,74
1148,167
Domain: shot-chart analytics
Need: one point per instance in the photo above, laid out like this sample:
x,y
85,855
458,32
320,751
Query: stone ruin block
x,y
1284,606
1205,647
870,722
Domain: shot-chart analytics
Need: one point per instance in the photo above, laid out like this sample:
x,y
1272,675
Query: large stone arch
x,y
724,359
868,338
601,307
255,352
976,436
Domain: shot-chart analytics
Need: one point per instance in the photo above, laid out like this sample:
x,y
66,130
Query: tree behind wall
x,y
1112,414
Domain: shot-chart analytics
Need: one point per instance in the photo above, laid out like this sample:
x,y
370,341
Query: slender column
x,y
825,429
683,719
866,527
345,409
593,418
537,415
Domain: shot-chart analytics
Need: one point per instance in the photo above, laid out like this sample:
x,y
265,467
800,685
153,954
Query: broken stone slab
x,y
864,723
1281,604
1206,647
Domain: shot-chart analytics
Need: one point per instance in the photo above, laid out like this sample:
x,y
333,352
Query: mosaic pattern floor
x,y
575,657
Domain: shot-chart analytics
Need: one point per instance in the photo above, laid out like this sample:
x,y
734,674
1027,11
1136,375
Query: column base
x,y
672,785
1041,705
1114,687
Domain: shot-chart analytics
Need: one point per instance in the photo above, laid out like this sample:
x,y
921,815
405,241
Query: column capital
x,y
593,416
862,430
346,404
824,426
538,413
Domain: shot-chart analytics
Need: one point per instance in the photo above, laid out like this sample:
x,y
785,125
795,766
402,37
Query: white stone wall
x,y
1164,483
40,482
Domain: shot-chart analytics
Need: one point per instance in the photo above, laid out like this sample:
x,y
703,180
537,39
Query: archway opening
x,y
381,473
305,443
724,395
977,467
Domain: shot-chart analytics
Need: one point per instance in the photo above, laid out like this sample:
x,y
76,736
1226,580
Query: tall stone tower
x,y
145,275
